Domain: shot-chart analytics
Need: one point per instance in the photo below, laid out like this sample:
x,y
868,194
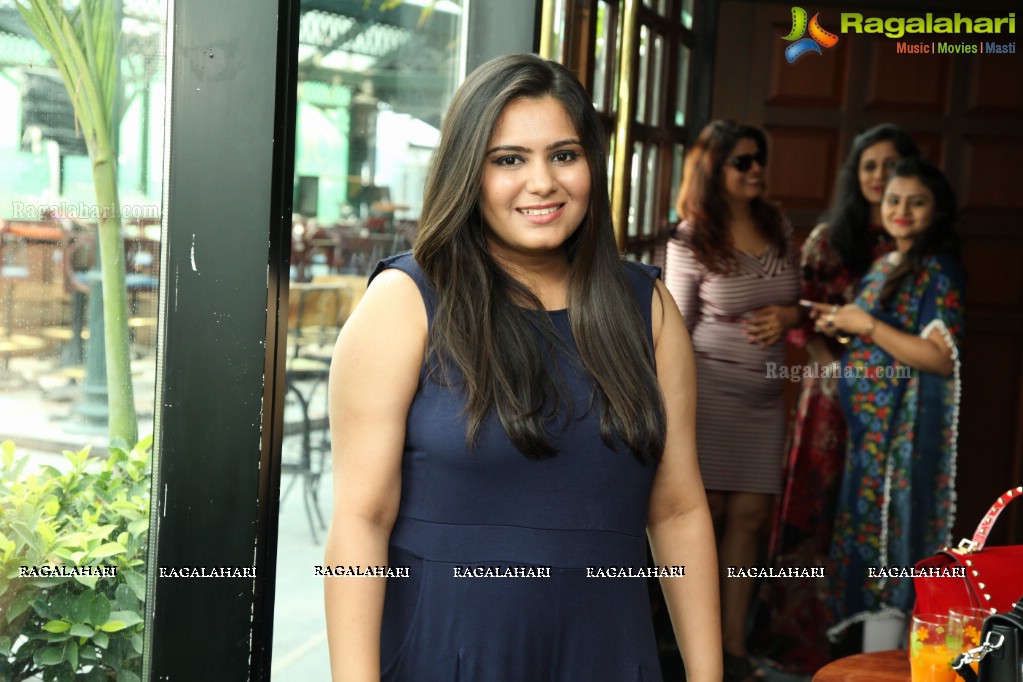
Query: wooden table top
x,y
878,666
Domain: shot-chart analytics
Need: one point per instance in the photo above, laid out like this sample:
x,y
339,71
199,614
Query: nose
x,y
541,180
902,208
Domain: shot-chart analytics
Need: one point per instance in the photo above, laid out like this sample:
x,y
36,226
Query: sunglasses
x,y
744,162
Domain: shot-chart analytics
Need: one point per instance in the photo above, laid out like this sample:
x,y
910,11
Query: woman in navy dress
x,y
512,420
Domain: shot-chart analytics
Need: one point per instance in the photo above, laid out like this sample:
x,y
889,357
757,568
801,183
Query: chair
x,y
316,313
142,263
15,269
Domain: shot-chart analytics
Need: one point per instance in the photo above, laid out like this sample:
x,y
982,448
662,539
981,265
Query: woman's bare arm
x,y
373,379
679,524
930,354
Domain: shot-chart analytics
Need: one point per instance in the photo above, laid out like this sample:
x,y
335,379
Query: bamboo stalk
x,y
90,76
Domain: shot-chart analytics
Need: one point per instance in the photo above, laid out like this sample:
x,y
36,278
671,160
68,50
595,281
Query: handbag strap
x,y
980,535
992,641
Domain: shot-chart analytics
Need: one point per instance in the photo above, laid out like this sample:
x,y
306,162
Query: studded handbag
x,y
972,575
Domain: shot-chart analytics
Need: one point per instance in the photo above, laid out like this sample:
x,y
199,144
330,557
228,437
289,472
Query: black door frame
x,y
221,363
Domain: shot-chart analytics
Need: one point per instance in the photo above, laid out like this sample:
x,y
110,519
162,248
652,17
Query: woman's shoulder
x,y
638,272
683,231
681,253
682,237
818,237
405,262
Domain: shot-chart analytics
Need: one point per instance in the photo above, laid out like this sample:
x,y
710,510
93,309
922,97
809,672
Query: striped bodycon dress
x,y
740,412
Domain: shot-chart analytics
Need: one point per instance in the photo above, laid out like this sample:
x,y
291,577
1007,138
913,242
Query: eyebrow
x,y
554,145
908,196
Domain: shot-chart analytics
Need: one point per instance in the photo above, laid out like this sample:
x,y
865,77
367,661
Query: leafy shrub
x,y
94,514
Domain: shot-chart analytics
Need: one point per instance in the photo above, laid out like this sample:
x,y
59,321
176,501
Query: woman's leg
x,y
746,514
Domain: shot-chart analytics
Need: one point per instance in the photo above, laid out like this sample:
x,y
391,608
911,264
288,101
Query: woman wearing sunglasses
x,y
835,257
735,276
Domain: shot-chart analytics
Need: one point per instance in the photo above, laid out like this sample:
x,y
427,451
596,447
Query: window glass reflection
x,y
657,65
80,240
641,91
650,190
374,80
603,48
683,85
635,198
687,13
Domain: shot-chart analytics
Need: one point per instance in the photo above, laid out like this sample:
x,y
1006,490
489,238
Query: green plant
x,y
83,45
95,514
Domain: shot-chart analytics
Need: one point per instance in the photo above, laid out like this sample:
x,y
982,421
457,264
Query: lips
x,y
541,215
539,211
902,222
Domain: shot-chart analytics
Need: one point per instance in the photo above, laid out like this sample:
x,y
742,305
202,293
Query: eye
x,y
565,156
869,167
891,200
510,160
890,164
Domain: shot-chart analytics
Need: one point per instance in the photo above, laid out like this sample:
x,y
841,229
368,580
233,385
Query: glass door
x,y
82,230
373,83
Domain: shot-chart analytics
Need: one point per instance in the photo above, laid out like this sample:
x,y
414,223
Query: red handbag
x,y
971,575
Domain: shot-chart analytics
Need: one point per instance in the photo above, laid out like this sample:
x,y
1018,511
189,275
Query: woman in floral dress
x,y
899,391
834,258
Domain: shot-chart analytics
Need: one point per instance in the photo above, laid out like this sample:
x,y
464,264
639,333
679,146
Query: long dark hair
x,y
701,197
849,212
940,238
481,330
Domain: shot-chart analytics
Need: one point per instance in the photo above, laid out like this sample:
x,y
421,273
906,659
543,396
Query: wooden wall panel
x,y
995,269
901,82
988,464
931,146
797,158
988,188
966,114
996,86
809,82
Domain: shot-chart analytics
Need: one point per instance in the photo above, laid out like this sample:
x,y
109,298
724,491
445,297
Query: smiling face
x,y
743,186
907,210
536,180
876,163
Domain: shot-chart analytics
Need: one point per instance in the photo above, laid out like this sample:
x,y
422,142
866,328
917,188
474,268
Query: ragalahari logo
x,y
818,36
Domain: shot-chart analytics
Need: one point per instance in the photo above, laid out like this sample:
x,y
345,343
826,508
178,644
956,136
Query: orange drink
x,y
930,656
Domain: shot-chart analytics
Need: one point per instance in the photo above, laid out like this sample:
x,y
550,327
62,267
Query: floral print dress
x,y
796,639
897,500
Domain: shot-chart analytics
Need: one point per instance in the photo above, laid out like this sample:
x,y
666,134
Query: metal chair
x,y
316,314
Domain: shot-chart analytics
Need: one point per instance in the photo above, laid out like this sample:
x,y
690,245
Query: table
x,y
878,666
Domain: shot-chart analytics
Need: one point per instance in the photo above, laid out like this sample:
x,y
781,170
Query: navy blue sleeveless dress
x,y
469,516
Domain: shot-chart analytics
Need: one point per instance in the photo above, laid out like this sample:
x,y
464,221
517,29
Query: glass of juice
x,y
930,656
